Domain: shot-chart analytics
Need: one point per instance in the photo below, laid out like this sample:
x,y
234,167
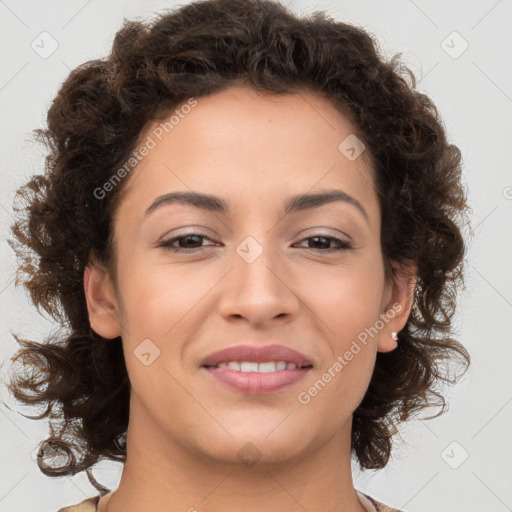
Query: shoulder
x,y
88,505
373,505
91,505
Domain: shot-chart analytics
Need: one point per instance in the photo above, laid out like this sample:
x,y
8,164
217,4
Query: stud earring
x,y
394,335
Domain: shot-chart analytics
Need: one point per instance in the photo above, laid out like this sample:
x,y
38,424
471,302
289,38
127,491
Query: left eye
x,y
197,238
341,244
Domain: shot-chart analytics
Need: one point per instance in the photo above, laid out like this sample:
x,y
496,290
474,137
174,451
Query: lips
x,y
242,379
240,353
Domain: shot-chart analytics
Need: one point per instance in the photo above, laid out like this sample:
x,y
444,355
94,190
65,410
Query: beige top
x,y
98,504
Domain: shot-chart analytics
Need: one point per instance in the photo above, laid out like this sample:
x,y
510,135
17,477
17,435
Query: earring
x,y
394,335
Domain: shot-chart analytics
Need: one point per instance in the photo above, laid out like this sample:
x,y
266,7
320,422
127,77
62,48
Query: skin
x,y
185,430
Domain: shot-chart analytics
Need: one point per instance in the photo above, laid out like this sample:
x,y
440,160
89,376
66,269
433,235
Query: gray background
x,y
473,91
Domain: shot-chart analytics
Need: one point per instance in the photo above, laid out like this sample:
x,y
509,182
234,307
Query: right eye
x,y
190,239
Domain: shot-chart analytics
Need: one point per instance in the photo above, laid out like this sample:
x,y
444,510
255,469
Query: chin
x,y
252,446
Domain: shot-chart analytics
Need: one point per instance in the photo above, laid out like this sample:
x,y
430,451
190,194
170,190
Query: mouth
x,y
253,366
256,369
256,378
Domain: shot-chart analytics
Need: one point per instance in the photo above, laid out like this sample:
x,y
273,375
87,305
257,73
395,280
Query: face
x,y
250,267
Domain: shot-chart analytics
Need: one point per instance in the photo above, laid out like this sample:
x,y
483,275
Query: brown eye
x,y
324,241
186,243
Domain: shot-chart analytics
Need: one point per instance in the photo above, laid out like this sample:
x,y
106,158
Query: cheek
x,y
158,299
158,308
347,301
161,304
346,298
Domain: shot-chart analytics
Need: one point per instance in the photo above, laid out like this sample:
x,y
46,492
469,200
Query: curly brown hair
x,y
94,124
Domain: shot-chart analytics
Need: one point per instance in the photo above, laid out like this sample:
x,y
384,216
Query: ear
x,y
397,303
101,301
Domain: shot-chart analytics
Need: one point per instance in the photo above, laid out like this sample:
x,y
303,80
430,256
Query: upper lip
x,y
257,354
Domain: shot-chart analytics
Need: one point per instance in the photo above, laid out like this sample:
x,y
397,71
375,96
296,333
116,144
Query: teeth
x,y
249,366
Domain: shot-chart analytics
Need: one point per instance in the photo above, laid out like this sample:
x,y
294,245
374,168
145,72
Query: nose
x,y
259,291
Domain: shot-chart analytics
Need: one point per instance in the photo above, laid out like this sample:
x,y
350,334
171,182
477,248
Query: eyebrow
x,y
216,204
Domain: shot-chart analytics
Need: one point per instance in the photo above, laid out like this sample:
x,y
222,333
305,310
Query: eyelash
x,y
166,244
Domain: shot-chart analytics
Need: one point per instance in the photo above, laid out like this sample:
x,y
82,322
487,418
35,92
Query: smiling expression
x,y
245,224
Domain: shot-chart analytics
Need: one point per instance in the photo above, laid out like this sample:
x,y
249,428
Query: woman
x,y
250,223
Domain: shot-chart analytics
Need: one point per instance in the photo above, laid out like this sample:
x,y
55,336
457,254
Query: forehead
x,y
251,146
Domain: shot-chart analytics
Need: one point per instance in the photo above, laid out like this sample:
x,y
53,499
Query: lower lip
x,y
256,383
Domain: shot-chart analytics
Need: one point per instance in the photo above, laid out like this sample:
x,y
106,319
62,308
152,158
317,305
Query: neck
x,y
162,475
